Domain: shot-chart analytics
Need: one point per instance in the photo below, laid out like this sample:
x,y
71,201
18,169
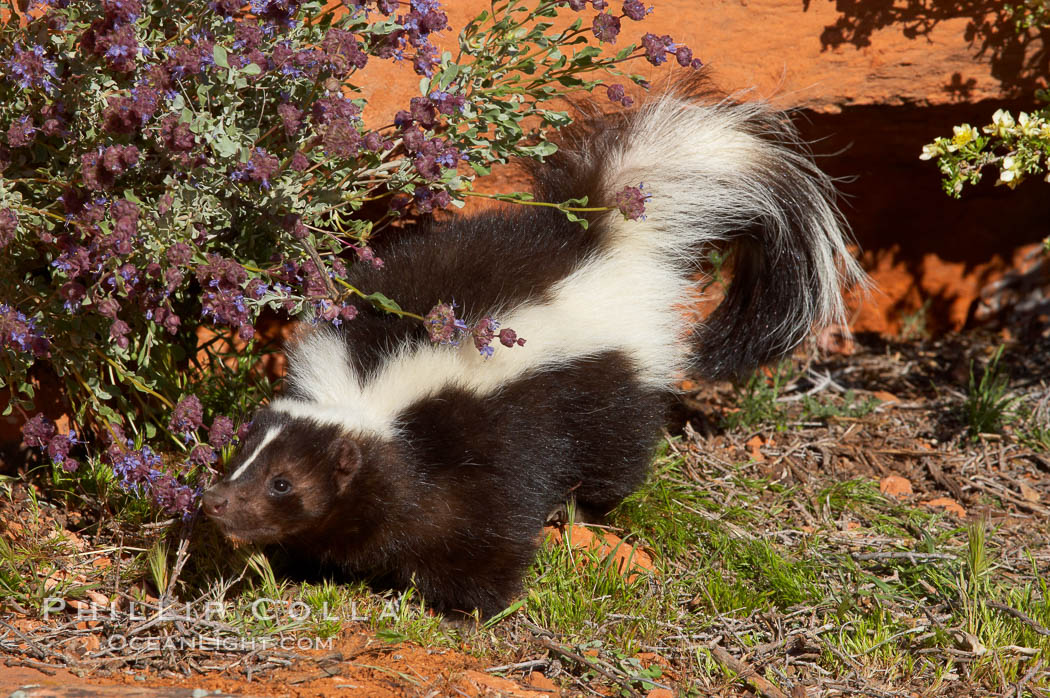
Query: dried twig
x,y
747,672
543,637
912,557
40,651
42,667
1020,687
580,659
520,666
1027,620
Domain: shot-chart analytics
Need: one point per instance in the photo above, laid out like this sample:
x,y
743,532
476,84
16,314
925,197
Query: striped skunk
x,y
431,465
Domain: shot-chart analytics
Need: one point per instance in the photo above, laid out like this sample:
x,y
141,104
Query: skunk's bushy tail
x,y
721,175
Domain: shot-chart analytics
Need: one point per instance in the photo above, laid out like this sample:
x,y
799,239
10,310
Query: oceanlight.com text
x,y
207,643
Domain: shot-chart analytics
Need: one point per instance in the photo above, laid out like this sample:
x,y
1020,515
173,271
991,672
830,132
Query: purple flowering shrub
x,y
168,167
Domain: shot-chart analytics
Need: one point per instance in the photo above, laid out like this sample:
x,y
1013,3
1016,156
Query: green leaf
x,y
540,150
572,216
224,146
383,303
251,69
218,54
392,636
556,119
584,55
570,81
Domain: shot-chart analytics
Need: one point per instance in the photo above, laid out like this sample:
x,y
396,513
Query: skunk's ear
x,y
348,462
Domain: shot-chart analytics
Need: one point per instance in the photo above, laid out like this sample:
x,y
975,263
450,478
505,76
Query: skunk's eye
x,y
280,486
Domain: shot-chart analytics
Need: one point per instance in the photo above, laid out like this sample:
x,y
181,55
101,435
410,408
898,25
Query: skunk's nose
x,y
214,503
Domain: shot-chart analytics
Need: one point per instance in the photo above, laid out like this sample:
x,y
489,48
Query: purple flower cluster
x,y
442,324
341,139
447,103
21,132
225,291
174,497
483,333
99,169
127,113
291,118
140,471
312,281
275,12
328,310
8,226
343,52
93,258
53,119
430,155
187,416
427,200
337,118
333,108
222,432
617,93
606,27
416,26
299,162
189,61
177,138
20,333
444,327
247,36
293,224
30,67
136,468
367,255
260,168
113,37
636,10
39,432
121,12
631,202
296,64
658,47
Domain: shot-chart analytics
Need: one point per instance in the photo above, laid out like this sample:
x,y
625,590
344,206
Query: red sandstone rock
x,y
947,504
895,486
628,559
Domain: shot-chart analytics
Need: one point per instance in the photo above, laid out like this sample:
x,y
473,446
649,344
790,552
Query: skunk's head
x,y
285,480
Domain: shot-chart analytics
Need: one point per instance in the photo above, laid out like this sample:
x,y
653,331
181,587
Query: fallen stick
x,y
1010,611
908,555
747,673
520,666
583,661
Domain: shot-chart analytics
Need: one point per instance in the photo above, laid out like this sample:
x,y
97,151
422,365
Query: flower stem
x,y
514,200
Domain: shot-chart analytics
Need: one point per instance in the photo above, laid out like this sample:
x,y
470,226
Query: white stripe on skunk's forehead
x,y
270,435
617,301
353,415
